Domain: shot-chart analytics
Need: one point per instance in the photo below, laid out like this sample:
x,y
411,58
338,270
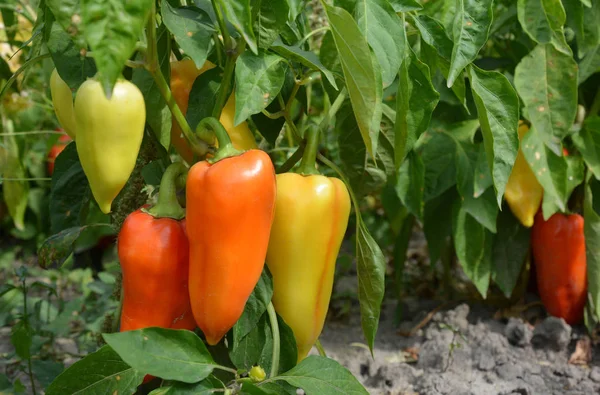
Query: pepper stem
x,y
226,148
167,205
307,166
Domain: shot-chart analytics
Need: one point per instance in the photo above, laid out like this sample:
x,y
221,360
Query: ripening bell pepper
x,y
62,101
523,191
560,262
230,207
110,135
154,255
56,149
311,217
183,75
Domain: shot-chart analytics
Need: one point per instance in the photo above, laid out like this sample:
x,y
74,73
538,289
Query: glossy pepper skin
x,y
155,261
56,149
523,191
559,254
311,217
110,136
230,207
183,75
62,101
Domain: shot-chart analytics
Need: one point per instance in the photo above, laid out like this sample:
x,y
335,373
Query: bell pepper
x,y
62,101
230,206
183,75
523,191
154,255
559,255
56,149
110,136
311,217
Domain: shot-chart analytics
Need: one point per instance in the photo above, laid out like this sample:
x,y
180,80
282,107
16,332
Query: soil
x,y
463,350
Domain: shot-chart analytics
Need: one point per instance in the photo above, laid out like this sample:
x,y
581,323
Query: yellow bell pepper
x,y
523,191
311,217
62,100
183,75
109,136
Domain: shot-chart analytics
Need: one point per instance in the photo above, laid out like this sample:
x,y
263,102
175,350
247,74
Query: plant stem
x,y
320,348
224,32
276,340
167,205
273,115
24,67
225,86
292,160
312,33
226,148
199,147
595,105
307,166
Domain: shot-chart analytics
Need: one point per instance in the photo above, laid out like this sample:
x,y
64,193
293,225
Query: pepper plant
x,y
412,107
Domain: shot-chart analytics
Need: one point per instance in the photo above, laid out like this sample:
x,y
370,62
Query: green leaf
x,y
112,29
203,96
587,141
549,169
434,34
410,184
498,110
591,231
370,266
170,354
543,21
55,250
472,24
271,19
405,5
101,372
73,68
306,58
590,64
574,177
361,73
483,208
320,375
473,247
46,371
70,191
246,351
21,336
258,81
238,13
204,387
510,250
440,165
385,34
191,28
255,307
415,101
15,191
483,176
64,12
583,23
547,82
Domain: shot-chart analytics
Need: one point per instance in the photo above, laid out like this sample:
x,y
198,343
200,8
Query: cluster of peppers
x,y
558,244
197,266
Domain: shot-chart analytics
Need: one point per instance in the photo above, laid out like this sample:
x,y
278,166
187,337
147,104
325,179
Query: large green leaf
x,y
258,80
385,34
498,110
583,21
101,372
361,73
170,354
587,141
434,34
255,307
270,21
472,23
63,11
415,101
112,29
547,82
410,184
320,375
543,21
590,64
191,28
238,13
511,246
574,177
592,241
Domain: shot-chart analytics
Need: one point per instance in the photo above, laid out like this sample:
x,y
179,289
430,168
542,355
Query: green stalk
x,y
167,205
276,340
307,166
226,148
199,147
292,160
